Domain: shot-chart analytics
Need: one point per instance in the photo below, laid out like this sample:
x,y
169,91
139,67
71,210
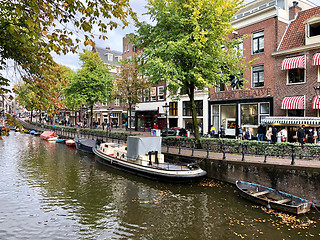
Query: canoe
x,y
142,156
272,198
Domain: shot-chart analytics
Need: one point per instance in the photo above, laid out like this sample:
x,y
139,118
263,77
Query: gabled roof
x,y
103,52
295,34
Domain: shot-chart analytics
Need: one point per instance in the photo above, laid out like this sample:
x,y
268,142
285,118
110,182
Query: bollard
x,y
207,149
224,151
192,152
266,153
179,146
293,154
168,145
242,151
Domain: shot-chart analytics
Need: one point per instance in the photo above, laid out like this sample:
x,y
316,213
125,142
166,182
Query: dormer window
x,y
312,26
110,57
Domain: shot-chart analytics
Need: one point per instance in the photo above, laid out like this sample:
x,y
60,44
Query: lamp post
x,y
166,107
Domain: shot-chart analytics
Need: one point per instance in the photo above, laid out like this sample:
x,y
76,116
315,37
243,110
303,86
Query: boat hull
x,y
273,198
147,171
85,145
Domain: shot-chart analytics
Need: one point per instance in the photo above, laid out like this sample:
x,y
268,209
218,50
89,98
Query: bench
x,y
260,193
283,201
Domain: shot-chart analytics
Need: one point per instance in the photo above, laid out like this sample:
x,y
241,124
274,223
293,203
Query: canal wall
x,y
300,181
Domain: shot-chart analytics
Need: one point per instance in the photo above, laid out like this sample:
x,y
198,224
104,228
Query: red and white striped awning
x,y
292,63
293,102
316,102
316,60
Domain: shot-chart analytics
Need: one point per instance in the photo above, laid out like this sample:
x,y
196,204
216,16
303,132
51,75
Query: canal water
x,y
51,191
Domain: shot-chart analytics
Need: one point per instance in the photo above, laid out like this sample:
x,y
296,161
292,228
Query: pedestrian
x,y
284,134
310,135
240,136
260,133
279,136
274,135
212,131
248,134
126,124
269,134
318,135
301,135
222,132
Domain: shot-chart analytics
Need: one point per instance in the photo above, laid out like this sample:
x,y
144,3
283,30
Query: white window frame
x,y
252,44
110,57
117,102
252,76
161,93
304,80
153,94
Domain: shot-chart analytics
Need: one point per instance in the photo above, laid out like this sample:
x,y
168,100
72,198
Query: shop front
x,y
245,114
146,120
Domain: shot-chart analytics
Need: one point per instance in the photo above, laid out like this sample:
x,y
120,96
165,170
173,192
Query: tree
x,y
91,84
44,92
184,46
130,85
30,30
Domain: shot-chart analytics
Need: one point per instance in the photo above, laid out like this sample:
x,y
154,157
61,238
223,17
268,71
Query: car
x,y
176,131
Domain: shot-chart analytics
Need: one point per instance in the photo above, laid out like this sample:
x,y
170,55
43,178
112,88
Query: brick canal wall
x,y
300,181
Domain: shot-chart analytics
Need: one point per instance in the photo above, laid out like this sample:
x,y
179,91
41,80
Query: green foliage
x,y
184,46
91,84
31,30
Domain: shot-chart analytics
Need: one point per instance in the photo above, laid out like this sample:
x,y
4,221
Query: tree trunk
x,y
91,117
194,116
129,119
31,114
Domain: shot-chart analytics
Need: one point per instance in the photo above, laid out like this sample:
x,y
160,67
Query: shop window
x,y
264,108
173,108
258,76
296,75
153,94
295,112
249,114
160,93
187,108
258,42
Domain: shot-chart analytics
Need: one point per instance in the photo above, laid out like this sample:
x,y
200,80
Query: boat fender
x,y
189,166
268,206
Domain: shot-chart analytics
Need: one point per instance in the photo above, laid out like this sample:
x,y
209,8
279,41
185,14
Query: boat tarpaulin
x,y
48,134
142,145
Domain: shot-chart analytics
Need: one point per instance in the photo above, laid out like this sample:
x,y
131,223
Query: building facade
x,y
247,103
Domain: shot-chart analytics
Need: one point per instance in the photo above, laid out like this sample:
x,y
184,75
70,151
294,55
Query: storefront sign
x,y
253,93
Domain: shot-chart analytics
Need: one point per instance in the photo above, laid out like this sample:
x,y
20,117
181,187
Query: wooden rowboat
x,y
272,198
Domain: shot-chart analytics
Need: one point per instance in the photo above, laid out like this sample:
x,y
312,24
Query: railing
x,y
243,150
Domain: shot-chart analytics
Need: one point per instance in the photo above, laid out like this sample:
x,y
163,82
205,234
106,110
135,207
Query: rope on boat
x,y
314,205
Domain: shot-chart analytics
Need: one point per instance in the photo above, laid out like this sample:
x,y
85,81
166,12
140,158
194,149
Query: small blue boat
x,y
61,140
32,132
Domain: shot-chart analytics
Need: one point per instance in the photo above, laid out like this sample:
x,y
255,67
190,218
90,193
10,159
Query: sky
x,y
115,37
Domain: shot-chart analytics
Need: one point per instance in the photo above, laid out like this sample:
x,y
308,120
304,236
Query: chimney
x,y
293,10
108,48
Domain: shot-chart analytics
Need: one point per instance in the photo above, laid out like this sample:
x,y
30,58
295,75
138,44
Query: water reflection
x,y
51,191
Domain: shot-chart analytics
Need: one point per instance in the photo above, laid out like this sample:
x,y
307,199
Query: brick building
x,y
296,68
250,101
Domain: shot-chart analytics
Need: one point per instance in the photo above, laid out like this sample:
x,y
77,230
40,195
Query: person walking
x,y
260,133
269,134
310,135
248,134
222,132
284,134
301,135
274,135
212,131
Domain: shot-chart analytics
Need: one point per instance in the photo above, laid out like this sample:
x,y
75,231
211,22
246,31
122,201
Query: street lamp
x,y
166,107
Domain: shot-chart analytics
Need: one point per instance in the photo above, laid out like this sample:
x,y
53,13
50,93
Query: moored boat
x,y
62,140
272,198
85,144
70,143
143,157
49,136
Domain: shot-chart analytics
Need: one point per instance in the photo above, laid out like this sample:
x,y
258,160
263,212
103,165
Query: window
x,y
153,94
220,88
160,93
258,42
237,82
314,29
264,110
173,108
295,112
187,108
296,75
110,57
117,102
249,114
258,76
146,95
